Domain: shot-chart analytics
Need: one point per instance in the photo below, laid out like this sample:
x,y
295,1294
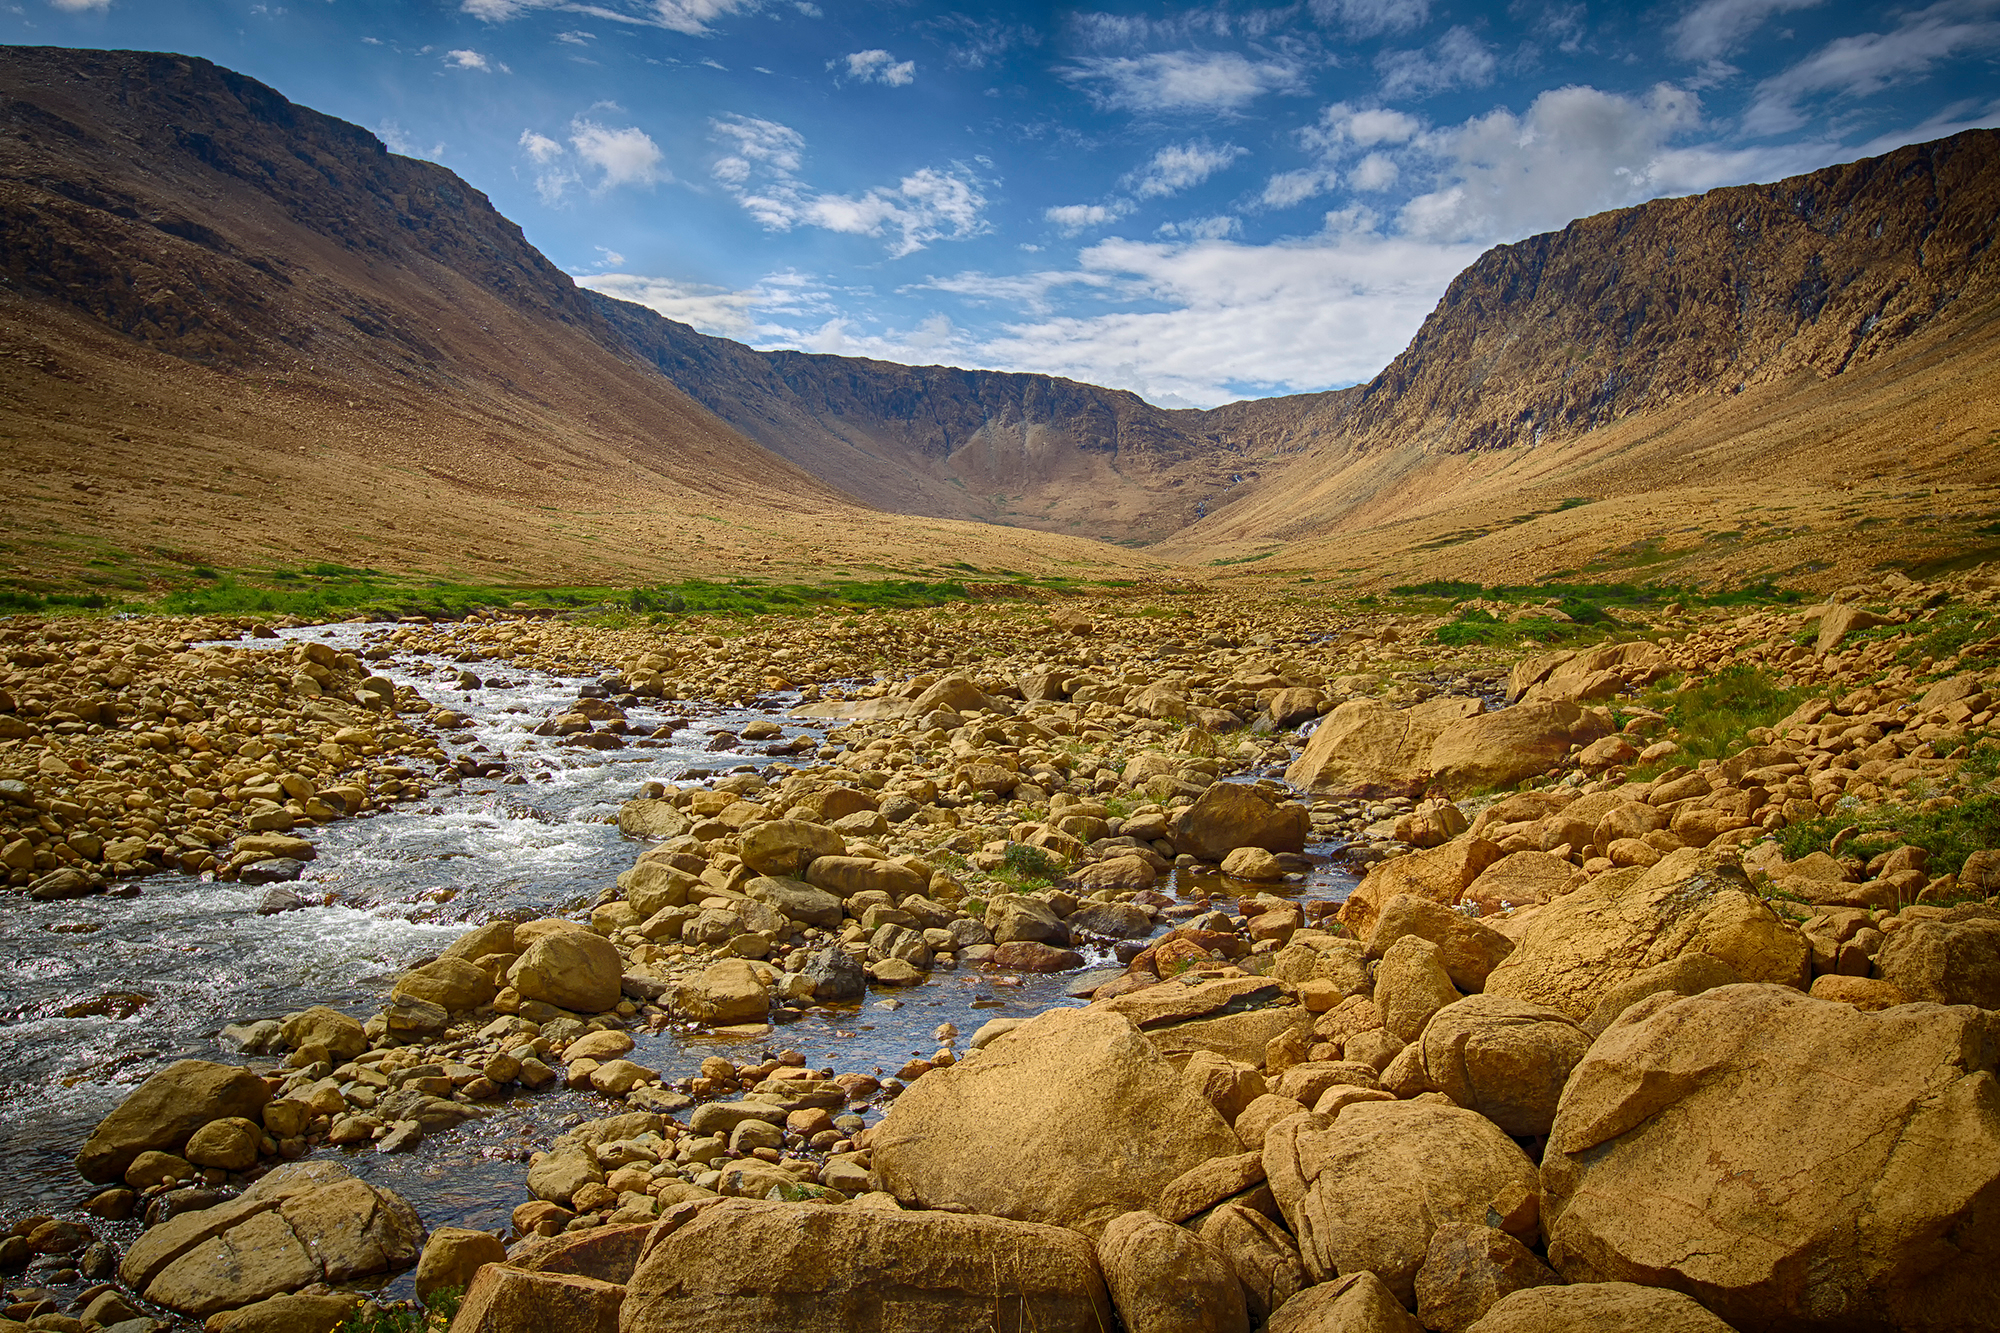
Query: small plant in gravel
x,y
1950,831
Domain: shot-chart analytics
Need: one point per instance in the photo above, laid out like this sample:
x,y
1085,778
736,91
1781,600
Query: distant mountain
x,y
1659,313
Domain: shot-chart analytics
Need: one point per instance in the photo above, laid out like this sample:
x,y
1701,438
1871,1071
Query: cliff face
x,y
1635,310
1029,450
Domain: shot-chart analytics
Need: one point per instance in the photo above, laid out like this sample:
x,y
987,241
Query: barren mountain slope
x,y
241,331
1029,450
1752,343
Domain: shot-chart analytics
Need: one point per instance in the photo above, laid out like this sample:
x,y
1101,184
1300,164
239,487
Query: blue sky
x,y
1198,204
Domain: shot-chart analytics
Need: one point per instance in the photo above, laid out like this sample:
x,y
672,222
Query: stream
x,y
97,993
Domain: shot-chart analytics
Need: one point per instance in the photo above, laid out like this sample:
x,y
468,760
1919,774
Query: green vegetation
x,y
1027,867
1712,716
331,591
1950,833
1245,559
433,1316
1589,611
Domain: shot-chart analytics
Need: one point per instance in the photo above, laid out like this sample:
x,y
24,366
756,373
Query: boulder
x,y
1227,1085
845,876
1365,747
1229,815
1578,949
452,984
1441,874
514,1300
1468,950
1073,1120
835,975
342,1036
300,1313
303,1223
750,1266
1945,962
1519,879
161,1113
229,1144
570,969
453,1256
1500,749
1469,1268
796,899
1021,916
1356,1303
1504,1058
1261,1254
1598,1307
654,820
1804,1165
727,992
1367,1191
1689,974
783,848
1166,1279
1411,984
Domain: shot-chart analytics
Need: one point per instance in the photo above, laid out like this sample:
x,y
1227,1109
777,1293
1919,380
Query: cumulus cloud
x,y
1073,218
1577,150
1329,309
1375,172
1868,63
80,6
1295,187
1181,80
1716,28
714,310
397,140
1340,126
760,167
625,157
1456,60
540,147
618,157
1372,18
467,60
1181,166
878,66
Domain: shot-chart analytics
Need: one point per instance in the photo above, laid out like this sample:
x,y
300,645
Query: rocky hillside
x,y
210,291
1030,450
1633,310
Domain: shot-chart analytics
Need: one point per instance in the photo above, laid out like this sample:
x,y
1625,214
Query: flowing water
x,y
96,993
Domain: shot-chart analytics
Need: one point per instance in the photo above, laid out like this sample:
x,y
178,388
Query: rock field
x,y
1598,1042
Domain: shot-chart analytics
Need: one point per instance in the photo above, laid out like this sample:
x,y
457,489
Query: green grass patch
x,y
1244,559
1711,716
1027,867
1950,834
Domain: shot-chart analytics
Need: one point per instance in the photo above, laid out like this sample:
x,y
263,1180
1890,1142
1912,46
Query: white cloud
x,y
1181,80
1180,166
1456,60
691,17
1715,28
626,157
760,169
1372,18
878,66
80,6
396,140
467,60
1375,172
576,38
1073,218
1576,151
1295,187
1867,63
540,147
1202,229
1341,125
714,310
1331,309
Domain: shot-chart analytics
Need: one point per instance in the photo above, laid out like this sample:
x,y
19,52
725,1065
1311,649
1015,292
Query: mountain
x,y
237,331
1664,345
1034,451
